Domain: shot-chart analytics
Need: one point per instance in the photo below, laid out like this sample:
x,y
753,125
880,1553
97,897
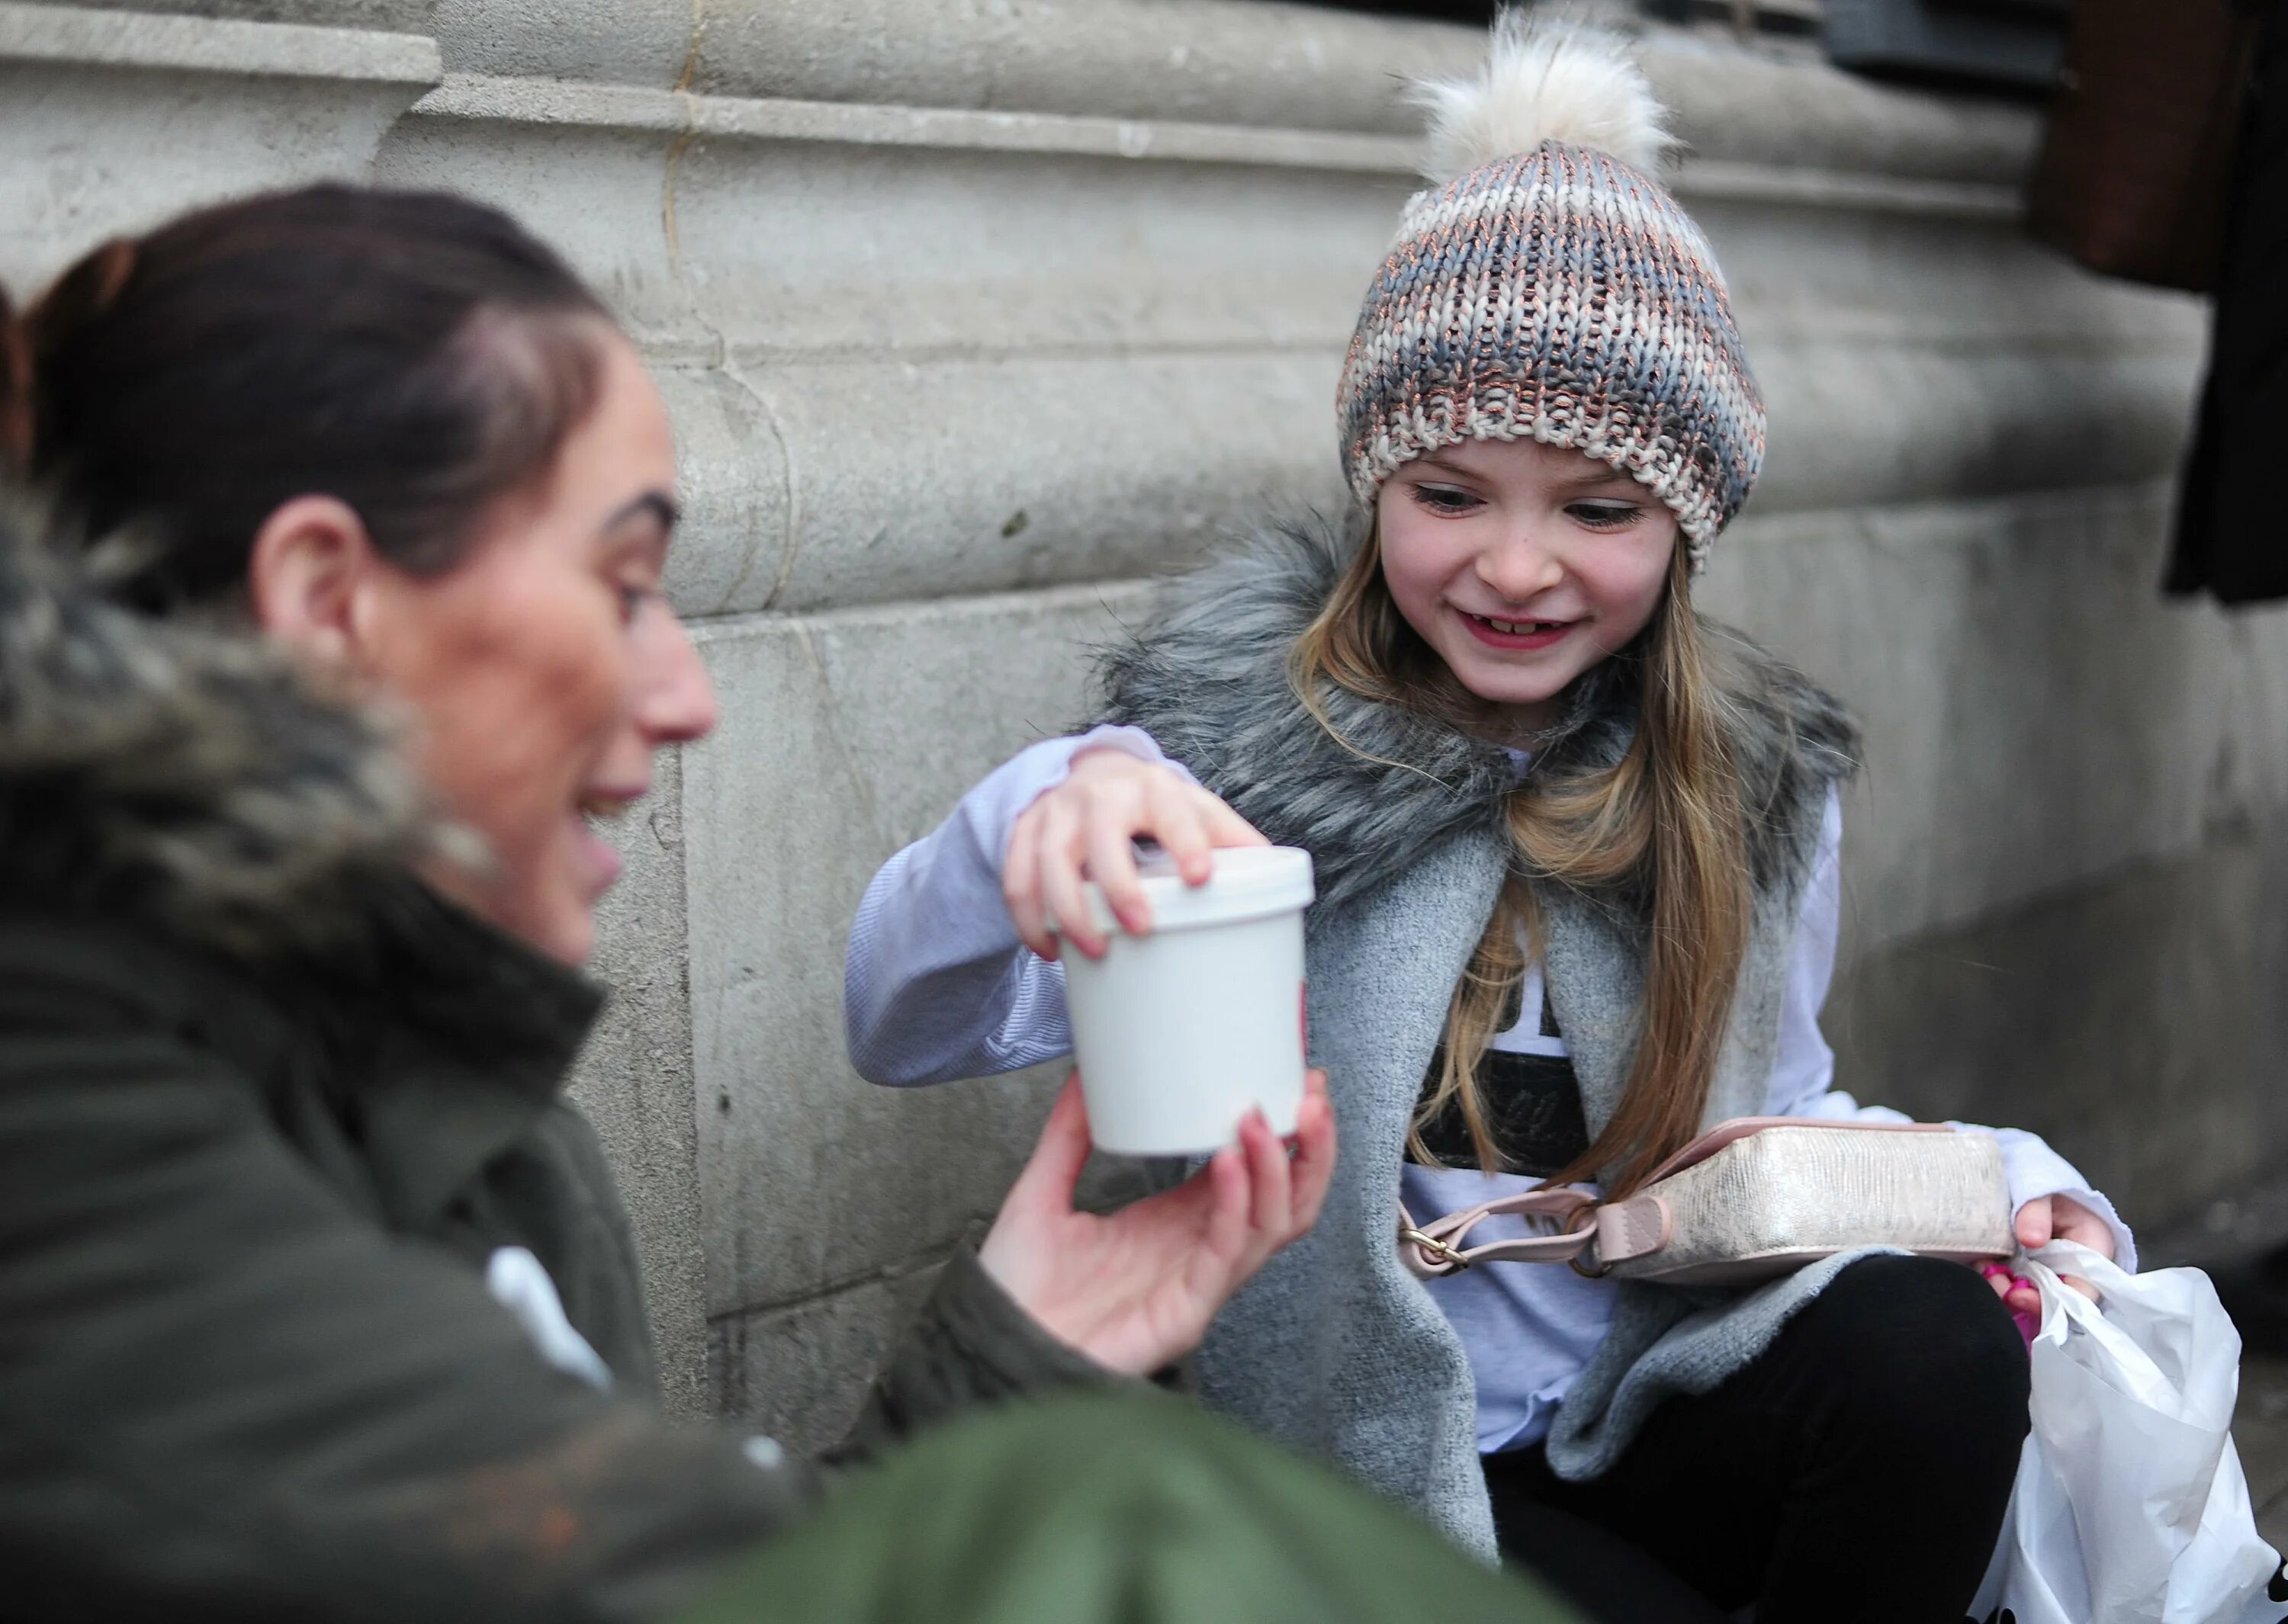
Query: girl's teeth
x,y
1516,629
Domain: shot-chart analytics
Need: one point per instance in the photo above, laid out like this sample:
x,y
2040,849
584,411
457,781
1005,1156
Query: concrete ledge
x,y
825,483
66,35
620,107
1285,68
632,107
1247,62
1748,106
875,483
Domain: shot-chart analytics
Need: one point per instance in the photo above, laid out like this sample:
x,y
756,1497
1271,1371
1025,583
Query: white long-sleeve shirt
x,y
937,987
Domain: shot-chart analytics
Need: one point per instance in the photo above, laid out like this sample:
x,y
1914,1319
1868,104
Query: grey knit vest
x,y
1334,1348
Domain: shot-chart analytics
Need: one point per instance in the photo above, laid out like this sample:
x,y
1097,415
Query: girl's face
x,y
545,670
1522,565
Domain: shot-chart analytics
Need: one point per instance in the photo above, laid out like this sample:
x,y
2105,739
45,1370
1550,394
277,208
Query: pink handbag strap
x,y
1617,1231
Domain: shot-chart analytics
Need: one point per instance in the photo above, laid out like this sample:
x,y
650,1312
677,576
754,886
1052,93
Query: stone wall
x,y
973,317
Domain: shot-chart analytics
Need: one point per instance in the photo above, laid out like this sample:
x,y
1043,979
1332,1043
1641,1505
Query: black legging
x,y
1858,1471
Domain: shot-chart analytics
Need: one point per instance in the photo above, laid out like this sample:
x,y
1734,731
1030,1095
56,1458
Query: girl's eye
x,y
1603,515
1445,498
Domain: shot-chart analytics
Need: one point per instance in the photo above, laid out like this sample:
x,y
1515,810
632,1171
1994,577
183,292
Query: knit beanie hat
x,y
1547,286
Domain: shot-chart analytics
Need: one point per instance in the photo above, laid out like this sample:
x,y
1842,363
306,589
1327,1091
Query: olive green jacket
x,y
267,1107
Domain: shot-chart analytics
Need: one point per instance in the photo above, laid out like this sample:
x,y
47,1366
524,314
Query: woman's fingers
x,y
1224,1237
1053,1171
1271,1196
1031,1235
1314,1166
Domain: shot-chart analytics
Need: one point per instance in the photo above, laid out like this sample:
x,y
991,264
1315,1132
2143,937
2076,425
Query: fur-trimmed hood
x,y
1208,678
180,771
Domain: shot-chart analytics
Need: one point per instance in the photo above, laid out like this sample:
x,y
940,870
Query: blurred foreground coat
x,y
267,1109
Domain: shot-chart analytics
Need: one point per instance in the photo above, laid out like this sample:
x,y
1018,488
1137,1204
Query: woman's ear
x,y
310,580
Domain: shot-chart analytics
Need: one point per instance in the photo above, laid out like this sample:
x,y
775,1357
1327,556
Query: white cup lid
x,y
1249,883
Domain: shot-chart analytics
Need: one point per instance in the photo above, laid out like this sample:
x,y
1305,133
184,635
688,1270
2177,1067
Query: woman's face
x,y
1522,565
545,669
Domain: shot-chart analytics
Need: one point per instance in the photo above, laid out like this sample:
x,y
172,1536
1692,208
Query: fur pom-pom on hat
x,y
1544,80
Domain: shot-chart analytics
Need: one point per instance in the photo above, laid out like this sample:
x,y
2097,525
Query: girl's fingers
x,y
1020,887
1061,885
1112,865
1174,821
2021,1299
2081,1285
2033,1225
2077,1222
1225,827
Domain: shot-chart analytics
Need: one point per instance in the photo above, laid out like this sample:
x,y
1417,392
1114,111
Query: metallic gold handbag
x,y
1755,1197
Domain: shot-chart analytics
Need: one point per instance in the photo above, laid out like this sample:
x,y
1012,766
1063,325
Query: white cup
x,y
1179,1032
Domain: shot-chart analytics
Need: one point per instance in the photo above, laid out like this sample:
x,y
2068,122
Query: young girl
x,y
1576,853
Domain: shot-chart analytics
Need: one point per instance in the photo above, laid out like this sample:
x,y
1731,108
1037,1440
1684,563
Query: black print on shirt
x,y
1533,1109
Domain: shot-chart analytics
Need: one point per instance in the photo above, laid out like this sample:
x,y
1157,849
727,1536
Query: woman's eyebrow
x,y
659,504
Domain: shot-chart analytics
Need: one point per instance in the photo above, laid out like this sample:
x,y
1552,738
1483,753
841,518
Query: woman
x,y
295,1224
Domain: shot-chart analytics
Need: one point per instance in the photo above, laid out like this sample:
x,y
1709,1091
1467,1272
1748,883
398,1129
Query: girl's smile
x,y
1516,634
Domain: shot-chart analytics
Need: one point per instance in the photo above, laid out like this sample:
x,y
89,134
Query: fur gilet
x,y
1334,1348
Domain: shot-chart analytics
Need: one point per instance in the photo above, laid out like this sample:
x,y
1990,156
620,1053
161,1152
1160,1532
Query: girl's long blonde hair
x,y
1664,821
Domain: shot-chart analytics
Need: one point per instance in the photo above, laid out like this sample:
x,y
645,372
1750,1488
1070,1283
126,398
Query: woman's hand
x,y
1134,1289
1084,824
2045,1219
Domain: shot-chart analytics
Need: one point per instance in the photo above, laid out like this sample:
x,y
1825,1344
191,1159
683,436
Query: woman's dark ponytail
x,y
79,297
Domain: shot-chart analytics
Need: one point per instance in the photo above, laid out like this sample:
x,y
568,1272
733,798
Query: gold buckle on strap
x,y
1435,1248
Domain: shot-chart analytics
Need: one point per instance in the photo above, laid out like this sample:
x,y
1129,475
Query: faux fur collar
x,y
1208,677
177,772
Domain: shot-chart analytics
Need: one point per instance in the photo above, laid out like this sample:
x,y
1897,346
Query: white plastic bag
x,y
2130,1507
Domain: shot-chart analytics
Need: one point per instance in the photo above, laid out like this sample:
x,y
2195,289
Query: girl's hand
x,y
2054,1217
1084,824
1135,1289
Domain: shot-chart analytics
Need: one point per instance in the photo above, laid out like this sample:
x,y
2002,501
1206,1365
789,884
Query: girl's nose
x,y
1520,567
675,701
